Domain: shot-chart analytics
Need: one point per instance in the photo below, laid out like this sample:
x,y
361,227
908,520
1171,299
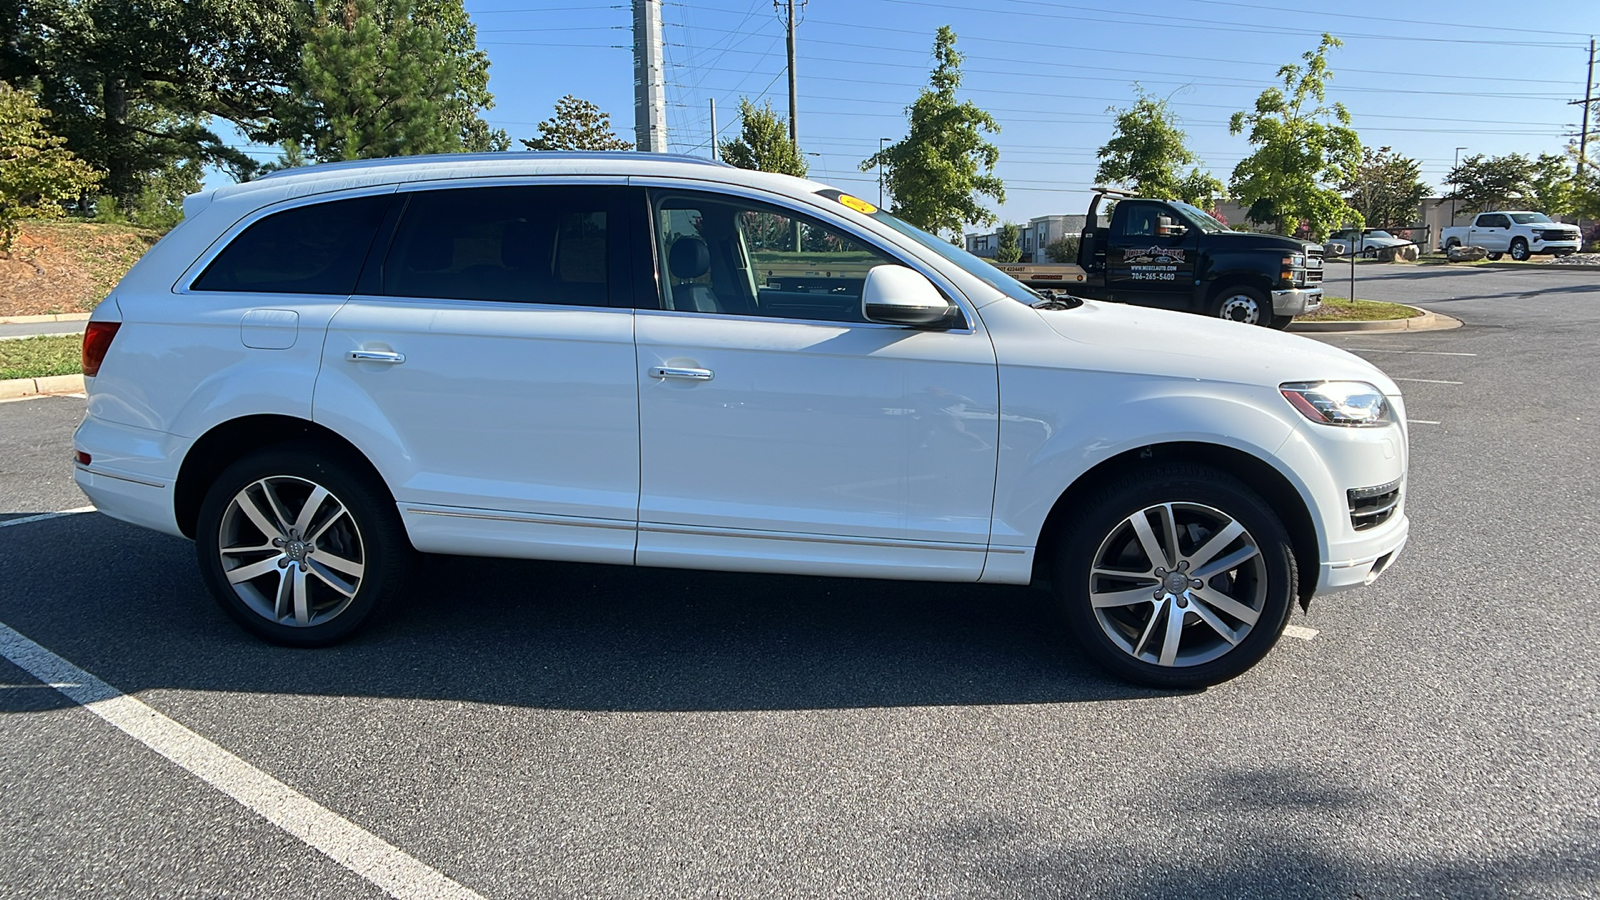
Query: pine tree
x,y
1008,251
763,143
373,82
577,125
937,171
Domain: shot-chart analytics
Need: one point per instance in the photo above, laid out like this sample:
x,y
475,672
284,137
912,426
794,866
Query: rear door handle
x,y
675,372
383,356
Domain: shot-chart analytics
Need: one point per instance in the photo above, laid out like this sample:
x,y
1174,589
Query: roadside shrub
x,y
1063,249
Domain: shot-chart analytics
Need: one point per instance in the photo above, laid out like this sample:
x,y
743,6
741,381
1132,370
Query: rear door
x,y
486,367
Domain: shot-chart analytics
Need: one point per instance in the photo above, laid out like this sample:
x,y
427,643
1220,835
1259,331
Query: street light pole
x,y
1453,167
880,171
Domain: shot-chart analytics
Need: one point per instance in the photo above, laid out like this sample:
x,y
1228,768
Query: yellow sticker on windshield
x,y
860,206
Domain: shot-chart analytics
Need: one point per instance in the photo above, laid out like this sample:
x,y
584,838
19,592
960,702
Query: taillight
x,y
96,341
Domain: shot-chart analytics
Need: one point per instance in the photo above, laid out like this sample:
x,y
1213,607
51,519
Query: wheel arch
x,y
1259,475
227,442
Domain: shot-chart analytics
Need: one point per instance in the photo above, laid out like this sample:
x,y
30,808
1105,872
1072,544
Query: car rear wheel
x,y
1519,250
1242,304
1495,256
298,547
1176,576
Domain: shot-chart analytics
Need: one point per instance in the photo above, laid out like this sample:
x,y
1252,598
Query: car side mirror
x,y
1167,229
896,295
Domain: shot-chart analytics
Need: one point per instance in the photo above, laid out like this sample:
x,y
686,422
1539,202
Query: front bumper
x,y
1554,246
1296,301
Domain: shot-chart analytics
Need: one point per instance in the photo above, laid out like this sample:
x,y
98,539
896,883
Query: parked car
x,y
1367,242
637,359
1517,232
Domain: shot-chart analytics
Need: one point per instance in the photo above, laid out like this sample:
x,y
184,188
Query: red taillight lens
x,y
96,341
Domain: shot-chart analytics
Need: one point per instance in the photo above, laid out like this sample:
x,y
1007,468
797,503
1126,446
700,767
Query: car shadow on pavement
x,y
128,605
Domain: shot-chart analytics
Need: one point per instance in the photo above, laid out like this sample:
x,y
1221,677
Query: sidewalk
x,y
33,326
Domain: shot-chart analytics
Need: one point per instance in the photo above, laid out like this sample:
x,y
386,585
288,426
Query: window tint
x,y
520,244
314,249
735,257
1494,222
1136,220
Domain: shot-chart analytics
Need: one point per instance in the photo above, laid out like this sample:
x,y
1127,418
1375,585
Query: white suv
x,y
635,359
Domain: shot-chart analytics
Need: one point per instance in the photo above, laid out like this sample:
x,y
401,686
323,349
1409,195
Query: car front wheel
x,y
299,547
1519,250
1176,576
1242,304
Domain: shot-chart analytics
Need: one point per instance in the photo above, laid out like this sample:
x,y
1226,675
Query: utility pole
x,y
785,11
880,172
1457,188
713,127
649,79
1588,98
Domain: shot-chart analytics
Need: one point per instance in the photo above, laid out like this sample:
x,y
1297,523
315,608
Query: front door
x,y
780,430
1150,257
488,373
1492,232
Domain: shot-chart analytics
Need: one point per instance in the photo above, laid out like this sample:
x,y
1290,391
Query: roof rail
x,y
503,155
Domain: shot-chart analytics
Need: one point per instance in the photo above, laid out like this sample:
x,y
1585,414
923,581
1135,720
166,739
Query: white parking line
x,y
1299,631
391,869
1423,422
1418,352
43,516
1427,380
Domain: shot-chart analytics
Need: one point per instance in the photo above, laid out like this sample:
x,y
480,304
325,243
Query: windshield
x,y
974,265
1529,218
1199,218
1380,234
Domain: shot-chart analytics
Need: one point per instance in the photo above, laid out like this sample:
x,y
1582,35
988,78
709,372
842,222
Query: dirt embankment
x,y
67,267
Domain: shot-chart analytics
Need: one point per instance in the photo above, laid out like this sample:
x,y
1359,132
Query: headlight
x,y
1294,261
1352,403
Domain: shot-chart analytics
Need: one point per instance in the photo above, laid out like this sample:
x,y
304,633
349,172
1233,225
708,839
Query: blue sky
x,y
1498,83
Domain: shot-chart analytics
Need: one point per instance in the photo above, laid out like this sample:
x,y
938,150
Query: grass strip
x,y
1342,309
36,357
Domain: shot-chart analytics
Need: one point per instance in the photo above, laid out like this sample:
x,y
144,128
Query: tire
x,y
1370,253
1450,244
1519,250
322,570
1223,627
1495,257
1238,303
1560,254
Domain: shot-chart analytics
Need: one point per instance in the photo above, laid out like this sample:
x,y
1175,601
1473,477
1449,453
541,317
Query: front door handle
x,y
676,372
383,356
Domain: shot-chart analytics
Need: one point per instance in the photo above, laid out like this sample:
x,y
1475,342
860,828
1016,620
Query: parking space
x,y
531,729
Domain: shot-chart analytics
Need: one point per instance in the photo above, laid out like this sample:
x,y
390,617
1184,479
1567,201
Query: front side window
x,y
729,256
512,244
318,248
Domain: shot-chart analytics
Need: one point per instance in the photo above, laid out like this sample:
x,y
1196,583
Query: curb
x,y
24,388
32,320
1428,321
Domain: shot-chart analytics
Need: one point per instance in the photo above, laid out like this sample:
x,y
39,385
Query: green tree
x,y
1147,153
133,86
36,171
1201,189
1480,183
471,95
1385,187
1554,188
372,82
1008,251
937,172
763,143
1063,249
577,125
1303,145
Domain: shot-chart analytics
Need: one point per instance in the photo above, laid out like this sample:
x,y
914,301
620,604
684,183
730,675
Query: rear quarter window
x,y
318,248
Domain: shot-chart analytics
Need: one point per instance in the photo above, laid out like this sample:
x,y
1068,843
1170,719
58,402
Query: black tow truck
x,y
1168,254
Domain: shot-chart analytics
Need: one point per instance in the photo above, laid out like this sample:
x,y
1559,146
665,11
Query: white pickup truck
x,y
1519,233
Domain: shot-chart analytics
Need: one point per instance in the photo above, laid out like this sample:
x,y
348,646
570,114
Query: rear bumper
x,y
132,472
1296,302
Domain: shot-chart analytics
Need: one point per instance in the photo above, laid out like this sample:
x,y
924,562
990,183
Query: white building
x,y
1032,237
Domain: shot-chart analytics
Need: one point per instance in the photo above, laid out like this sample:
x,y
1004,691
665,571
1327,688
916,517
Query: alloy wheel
x,y
291,551
1178,584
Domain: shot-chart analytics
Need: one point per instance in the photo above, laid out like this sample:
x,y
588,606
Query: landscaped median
x,y
52,364
1344,314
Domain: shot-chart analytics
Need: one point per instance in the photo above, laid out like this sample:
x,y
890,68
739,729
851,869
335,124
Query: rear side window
x,y
314,249
517,244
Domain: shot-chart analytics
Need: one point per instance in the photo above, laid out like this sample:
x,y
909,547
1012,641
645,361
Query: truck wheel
x,y
1176,576
1519,250
1495,256
1242,304
1451,244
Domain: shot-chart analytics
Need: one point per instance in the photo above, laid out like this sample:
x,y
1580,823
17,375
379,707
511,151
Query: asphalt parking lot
x,y
541,729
